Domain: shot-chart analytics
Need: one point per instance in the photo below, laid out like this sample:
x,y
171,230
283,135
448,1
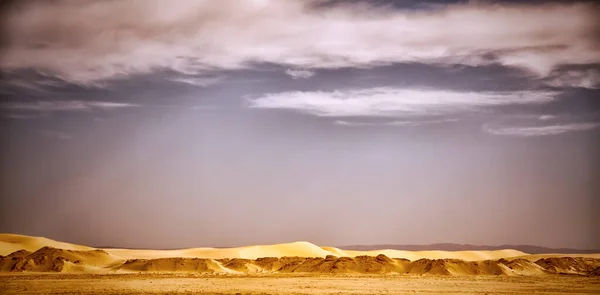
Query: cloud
x,y
362,124
539,130
63,105
546,117
198,81
392,123
299,74
89,41
33,84
392,102
583,78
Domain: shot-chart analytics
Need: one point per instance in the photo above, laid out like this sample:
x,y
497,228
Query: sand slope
x,y
306,249
10,243
302,249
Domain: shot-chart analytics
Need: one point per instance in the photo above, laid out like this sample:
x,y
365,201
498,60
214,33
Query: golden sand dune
x,y
301,249
10,243
32,254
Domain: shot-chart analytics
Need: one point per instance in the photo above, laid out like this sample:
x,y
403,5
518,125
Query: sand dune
x,y
34,254
306,249
58,260
10,243
302,249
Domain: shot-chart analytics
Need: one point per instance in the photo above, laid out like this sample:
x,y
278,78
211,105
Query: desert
x,y
42,265
237,147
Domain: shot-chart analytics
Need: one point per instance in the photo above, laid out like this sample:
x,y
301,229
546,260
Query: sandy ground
x,y
293,284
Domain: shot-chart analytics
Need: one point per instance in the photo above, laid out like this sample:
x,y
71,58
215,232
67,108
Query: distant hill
x,y
460,247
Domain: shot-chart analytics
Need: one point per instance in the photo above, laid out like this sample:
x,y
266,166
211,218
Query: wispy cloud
x,y
63,105
38,85
88,41
392,123
393,102
589,78
546,117
299,74
198,81
538,130
363,124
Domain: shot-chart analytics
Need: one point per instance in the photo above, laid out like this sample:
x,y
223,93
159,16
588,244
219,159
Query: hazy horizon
x,y
145,125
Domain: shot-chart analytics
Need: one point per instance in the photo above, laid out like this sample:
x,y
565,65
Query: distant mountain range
x,y
460,247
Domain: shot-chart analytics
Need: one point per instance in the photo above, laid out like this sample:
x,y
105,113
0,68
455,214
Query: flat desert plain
x,y
35,265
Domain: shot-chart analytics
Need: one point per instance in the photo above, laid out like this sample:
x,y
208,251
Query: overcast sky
x,y
165,124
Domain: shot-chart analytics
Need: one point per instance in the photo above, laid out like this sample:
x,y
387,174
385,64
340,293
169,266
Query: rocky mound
x,y
48,259
329,264
199,265
20,253
55,260
568,265
332,264
380,264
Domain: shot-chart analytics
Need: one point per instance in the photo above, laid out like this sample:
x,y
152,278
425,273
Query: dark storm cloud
x,y
90,42
192,43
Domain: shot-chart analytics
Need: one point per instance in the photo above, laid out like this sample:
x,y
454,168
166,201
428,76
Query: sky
x,y
167,124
